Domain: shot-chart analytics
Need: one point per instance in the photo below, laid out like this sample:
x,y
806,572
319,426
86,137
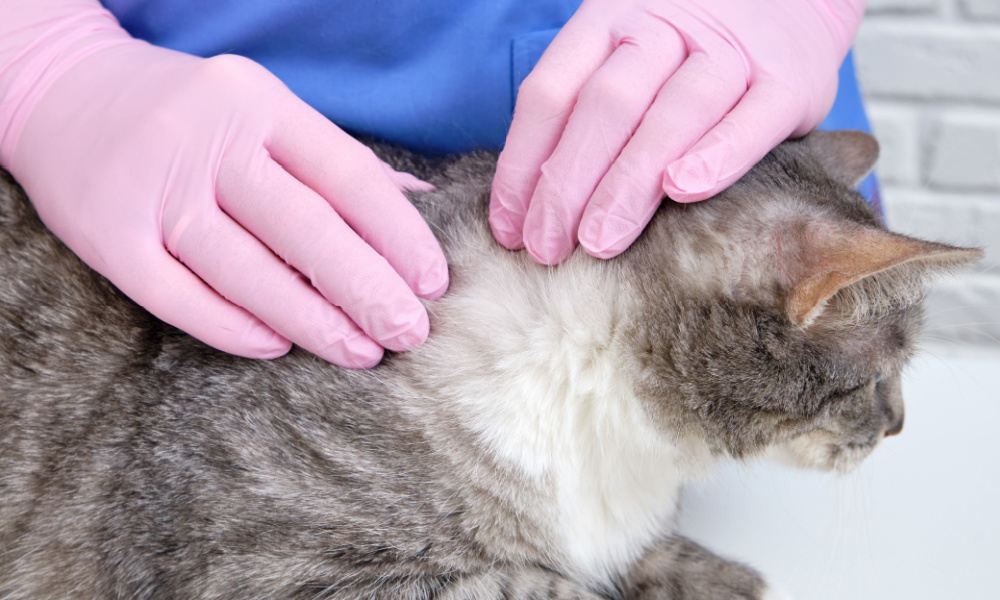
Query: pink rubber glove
x,y
635,98
210,194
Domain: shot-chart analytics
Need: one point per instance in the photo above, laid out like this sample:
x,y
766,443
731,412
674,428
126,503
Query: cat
x,y
534,447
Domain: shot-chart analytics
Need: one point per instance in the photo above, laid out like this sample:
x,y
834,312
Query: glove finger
x,y
544,103
246,273
298,225
694,100
408,182
610,107
766,116
355,183
177,296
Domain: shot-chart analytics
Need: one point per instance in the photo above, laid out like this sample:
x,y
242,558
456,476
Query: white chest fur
x,y
544,386
615,479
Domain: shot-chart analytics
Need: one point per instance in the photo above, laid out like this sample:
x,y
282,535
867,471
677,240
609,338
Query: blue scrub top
x,y
436,76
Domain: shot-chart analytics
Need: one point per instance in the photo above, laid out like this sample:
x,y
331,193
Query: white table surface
x,y
920,519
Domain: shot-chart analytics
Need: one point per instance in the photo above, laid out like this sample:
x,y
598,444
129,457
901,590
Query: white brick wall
x,y
930,70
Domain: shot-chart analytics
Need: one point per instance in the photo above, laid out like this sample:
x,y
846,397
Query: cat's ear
x,y
847,156
830,257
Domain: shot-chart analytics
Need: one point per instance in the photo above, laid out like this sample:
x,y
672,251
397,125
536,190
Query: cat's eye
x,y
850,391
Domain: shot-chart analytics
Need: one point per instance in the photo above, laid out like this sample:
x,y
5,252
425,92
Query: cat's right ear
x,y
847,156
821,259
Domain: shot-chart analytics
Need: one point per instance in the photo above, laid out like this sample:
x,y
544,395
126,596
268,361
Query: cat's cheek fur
x,y
821,450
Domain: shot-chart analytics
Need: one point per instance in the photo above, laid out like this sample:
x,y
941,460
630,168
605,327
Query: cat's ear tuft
x,y
847,156
833,257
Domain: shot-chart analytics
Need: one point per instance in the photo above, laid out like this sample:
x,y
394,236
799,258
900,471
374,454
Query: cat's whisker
x,y
989,336
941,333
938,311
943,362
947,326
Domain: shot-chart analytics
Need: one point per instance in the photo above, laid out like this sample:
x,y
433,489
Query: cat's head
x,y
779,314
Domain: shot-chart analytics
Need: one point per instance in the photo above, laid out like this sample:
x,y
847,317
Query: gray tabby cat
x,y
533,448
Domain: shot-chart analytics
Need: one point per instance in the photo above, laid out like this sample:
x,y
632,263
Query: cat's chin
x,y
821,451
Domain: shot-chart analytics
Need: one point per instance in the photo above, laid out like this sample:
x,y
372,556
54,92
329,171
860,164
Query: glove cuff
x,y
52,44
844,17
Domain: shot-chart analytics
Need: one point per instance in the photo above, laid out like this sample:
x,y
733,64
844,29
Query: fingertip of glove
x,y
433,281
261,342
358,353
606,235
547,252
505,233
690,179
410,330
683,197
507,226
601,251
411,183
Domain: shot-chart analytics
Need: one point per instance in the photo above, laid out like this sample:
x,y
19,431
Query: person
x,y
187,150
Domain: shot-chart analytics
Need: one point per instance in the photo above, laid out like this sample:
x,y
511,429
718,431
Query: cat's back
x,y
66,337
123,437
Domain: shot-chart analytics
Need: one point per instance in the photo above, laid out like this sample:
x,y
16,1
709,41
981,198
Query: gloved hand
x,y
208,193
635,98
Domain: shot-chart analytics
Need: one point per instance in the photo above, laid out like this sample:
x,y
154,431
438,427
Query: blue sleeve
x,y
848,112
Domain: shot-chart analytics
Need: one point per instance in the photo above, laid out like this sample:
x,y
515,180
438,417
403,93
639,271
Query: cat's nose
x,y
897,425
890,396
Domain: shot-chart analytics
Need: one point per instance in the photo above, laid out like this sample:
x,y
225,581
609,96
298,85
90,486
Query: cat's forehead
x,y
792,177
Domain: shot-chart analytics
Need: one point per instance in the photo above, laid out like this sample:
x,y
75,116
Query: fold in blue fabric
x,y
848,112
435,76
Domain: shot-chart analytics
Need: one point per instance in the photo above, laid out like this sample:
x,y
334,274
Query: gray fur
x,y
136,462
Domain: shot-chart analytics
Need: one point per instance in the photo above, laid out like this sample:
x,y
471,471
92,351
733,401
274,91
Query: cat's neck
x,y
537,364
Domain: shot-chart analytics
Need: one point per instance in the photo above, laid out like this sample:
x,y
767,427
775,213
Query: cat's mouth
x,y
824,450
